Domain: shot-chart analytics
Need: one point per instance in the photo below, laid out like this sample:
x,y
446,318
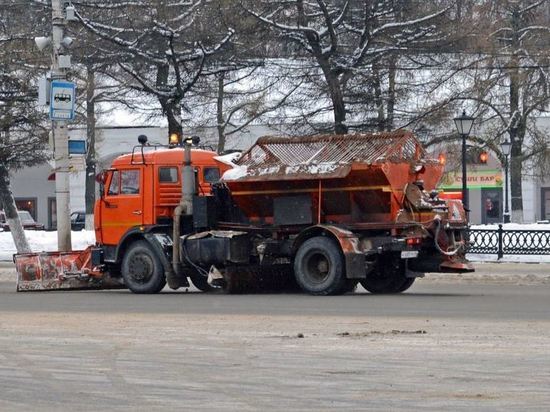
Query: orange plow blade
x,y
62,270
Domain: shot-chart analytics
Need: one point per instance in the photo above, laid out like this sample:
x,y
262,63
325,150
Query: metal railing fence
x,y
502,241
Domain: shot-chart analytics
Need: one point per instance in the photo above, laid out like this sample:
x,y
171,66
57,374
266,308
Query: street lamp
x,y
506,147
464,125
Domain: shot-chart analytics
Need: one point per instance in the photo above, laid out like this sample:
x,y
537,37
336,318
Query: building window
x,y
28,204
545,203
52,213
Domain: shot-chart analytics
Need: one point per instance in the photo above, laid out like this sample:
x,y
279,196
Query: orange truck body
x,y
330,211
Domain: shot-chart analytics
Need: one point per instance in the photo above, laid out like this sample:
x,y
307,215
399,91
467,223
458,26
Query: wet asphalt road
x,y
450,297
449,343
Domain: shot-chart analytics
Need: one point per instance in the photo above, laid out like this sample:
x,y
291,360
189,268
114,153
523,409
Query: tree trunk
x,y
220,119
339,108
391,94
515,137
172,111
381,117
337,98
516,186
90,155
170,105
12,217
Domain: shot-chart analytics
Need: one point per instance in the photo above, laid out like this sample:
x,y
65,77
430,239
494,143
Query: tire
x,y
319,267
406,285
142,269
389,277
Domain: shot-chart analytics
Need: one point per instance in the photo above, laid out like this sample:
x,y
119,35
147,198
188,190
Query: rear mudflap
x,y
62,271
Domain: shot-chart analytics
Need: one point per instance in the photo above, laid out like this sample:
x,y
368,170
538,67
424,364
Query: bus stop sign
x,y
62,100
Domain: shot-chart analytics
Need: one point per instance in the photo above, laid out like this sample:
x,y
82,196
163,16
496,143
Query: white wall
x,y
33,182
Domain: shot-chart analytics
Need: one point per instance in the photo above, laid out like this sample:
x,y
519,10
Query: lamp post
x,y
506,147
464,125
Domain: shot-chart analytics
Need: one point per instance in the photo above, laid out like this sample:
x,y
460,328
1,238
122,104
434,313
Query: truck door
x,y
122,207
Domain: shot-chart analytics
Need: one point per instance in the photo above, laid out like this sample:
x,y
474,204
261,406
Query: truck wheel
x,y
407,284
319,267
388,277
142,269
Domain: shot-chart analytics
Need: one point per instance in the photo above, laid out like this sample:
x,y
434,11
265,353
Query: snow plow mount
x,y
79,269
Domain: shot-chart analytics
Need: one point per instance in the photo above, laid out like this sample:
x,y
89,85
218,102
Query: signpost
x,y
77,147
62,100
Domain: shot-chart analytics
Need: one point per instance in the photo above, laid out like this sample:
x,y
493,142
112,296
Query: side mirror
x,y
101,178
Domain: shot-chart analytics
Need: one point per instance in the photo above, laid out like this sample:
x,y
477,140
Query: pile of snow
x,y
41,241
236,173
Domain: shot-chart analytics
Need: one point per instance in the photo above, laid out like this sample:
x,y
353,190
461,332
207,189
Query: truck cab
x,y
140,191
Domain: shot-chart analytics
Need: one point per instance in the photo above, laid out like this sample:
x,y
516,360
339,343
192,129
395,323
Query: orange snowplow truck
x,y
321,212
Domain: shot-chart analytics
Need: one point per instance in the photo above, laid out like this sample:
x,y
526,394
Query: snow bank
x,y
475,257
47,241
514,226
41,241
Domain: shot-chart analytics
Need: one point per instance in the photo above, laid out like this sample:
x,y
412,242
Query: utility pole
x,y
60,96
60,138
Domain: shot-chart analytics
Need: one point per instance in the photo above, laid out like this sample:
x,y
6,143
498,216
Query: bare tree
x,y
22,143
346,39
235,99
502,75
162,46
22,135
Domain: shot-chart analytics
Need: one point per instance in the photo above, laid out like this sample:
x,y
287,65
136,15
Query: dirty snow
x,y
239,172
229,159
236,173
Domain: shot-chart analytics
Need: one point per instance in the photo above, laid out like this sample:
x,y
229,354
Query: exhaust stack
x,y
185,207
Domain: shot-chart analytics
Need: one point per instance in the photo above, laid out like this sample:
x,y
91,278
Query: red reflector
x,y
414,241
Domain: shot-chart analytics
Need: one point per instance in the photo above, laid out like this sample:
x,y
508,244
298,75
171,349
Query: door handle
x,y
137,212
110,205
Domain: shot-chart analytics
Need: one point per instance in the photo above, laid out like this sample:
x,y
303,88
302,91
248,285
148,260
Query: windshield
x,y
25,217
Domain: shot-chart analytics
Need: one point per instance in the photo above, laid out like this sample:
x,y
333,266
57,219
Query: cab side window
x,y
168,174
129,182
211,174
115,184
